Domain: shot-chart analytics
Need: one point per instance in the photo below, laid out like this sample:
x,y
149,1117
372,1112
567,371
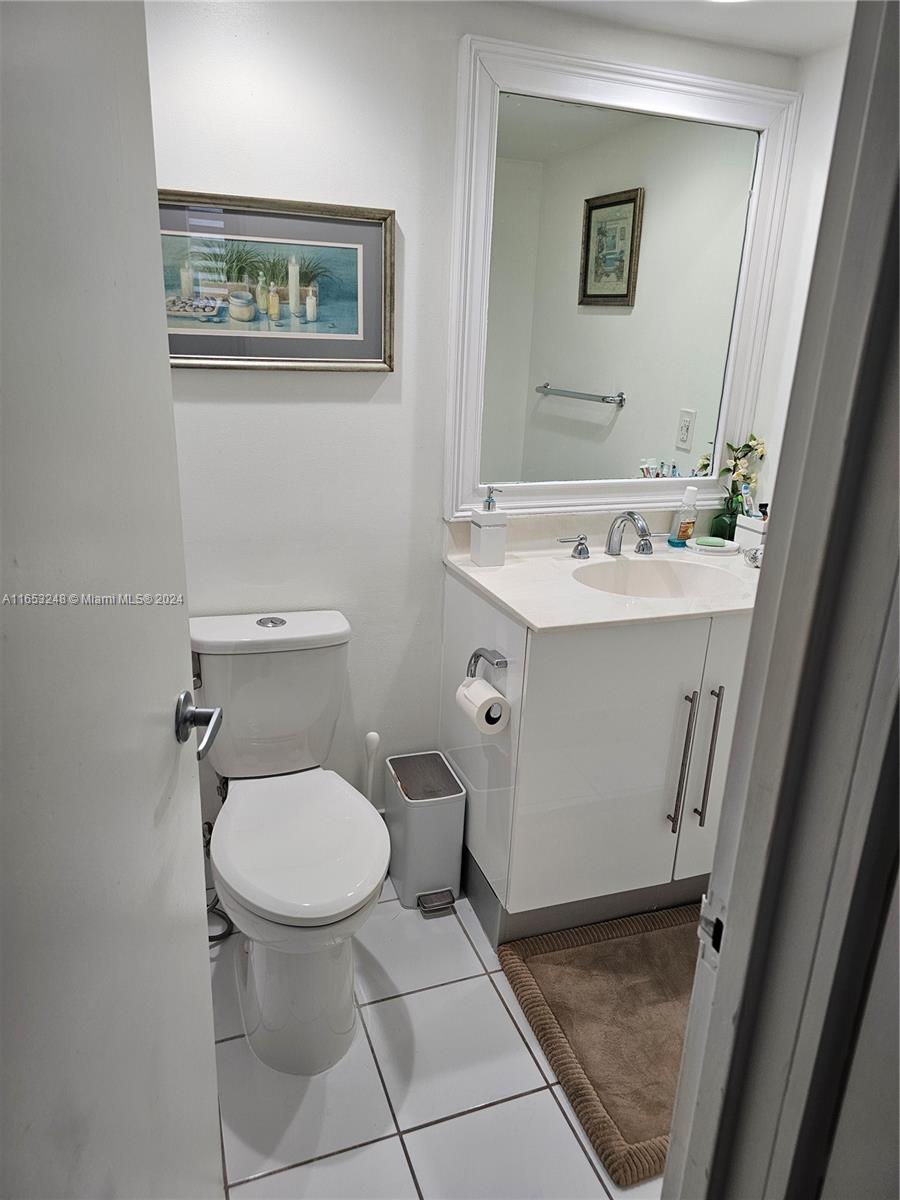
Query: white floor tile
x,y
448,1049
521,1148
388,891
378,1172
651,1189
485,950
399,950
505,989
226,1010
270,1119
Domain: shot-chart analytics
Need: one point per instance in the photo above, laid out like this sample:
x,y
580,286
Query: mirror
x,y
616,250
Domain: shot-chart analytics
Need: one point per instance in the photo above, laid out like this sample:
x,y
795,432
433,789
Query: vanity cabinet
x,y
613,726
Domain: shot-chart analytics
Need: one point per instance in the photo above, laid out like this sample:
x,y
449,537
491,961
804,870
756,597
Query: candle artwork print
x,y
277,284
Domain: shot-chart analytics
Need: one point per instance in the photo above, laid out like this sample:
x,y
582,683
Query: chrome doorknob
x,y
188,716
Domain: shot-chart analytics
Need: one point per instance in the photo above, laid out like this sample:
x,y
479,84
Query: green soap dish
x,y
711,541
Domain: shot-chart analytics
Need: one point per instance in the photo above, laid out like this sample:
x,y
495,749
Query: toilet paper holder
x,y
491,657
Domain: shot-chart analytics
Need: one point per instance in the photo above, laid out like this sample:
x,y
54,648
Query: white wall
x,y
668,351
325,490
820,79
515,237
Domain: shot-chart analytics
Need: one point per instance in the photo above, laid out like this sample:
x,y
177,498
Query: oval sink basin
x,y
656,579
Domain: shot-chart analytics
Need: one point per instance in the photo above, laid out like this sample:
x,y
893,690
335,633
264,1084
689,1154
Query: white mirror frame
x,y
487,68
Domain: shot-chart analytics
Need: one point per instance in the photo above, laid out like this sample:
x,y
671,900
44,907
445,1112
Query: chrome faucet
x,y
614,540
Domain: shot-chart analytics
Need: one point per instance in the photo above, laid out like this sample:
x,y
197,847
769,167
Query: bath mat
x,y
608,1004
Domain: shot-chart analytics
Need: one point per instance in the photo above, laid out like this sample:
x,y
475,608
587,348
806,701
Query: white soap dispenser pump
x,y
488,534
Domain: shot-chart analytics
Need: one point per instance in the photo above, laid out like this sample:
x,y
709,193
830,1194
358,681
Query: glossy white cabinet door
x,y
712,745
603,732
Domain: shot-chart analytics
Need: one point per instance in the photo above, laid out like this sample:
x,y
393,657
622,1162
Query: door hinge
x,y
710,931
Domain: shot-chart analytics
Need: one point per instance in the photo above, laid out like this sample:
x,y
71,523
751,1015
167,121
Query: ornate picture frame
x,y
277,284
610,246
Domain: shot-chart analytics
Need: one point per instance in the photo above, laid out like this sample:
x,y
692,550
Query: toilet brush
x,y
373,740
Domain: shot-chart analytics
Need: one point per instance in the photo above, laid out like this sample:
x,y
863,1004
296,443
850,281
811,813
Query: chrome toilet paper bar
x,y
491,657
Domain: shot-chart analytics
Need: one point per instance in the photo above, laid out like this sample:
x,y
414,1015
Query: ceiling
x,y
792,27
534,130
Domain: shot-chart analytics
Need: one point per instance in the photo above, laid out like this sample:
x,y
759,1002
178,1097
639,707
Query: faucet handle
x,y
580,549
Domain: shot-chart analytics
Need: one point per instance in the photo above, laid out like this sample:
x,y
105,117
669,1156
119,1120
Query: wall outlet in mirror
x,y
684,439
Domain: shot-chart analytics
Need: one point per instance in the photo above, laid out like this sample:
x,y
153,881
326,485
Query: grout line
x,y
584,1148
470,940
490,975
387,1094
306,1162
412,1169
541,1071
477,1108
415,991
225,1182
390,1104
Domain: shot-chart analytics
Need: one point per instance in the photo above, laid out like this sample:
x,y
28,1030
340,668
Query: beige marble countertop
x,y
540,589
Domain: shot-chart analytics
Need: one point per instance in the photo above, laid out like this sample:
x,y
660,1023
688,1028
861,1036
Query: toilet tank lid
x,y
242,633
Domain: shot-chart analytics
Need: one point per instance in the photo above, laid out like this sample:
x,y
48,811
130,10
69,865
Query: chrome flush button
x,y
271,622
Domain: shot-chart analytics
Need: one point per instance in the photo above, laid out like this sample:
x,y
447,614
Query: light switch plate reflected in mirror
x,y
684,439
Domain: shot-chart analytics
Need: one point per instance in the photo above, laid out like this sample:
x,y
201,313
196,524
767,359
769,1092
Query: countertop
x,y
539,590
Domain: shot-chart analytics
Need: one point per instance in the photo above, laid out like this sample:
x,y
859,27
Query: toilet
x,y
298,855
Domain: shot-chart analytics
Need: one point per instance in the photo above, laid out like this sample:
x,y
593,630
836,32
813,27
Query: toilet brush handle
x,y
373,741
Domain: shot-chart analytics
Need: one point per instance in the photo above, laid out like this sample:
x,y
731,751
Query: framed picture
x,y
610,241
277,284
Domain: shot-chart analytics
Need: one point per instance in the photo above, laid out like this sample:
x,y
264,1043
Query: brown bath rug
x,y
609,1003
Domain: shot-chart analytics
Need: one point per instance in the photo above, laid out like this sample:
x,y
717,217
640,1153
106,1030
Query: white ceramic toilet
x,y
298,855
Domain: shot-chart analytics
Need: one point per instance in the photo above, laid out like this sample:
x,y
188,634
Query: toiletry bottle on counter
x,y
274,302
685,518
488,533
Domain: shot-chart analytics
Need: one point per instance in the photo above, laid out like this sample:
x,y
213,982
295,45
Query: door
x,y
717,709
604,734
807,852
108,1067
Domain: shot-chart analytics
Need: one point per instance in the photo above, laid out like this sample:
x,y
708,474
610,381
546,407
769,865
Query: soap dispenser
x,y
488,533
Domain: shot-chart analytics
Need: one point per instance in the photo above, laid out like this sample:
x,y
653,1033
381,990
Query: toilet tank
x,y
279,679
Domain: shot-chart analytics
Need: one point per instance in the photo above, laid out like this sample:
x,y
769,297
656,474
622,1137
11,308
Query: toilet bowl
x,y
298,855
298,861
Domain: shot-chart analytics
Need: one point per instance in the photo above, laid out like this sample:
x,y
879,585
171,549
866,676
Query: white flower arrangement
x,y
740,466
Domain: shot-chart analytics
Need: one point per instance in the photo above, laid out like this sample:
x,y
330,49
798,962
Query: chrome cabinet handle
x,y
674,818
188,716
719,694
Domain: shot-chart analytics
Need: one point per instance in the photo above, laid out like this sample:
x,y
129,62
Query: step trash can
x,y
424,809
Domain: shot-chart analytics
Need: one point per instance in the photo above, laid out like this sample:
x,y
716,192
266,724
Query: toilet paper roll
x,y
486,708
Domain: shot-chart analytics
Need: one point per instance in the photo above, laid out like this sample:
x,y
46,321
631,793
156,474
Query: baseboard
x,y
502,926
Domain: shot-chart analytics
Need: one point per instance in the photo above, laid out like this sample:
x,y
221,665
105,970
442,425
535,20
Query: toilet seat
x,y
300,849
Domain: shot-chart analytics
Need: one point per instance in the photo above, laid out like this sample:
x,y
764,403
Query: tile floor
x,y
444,1094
